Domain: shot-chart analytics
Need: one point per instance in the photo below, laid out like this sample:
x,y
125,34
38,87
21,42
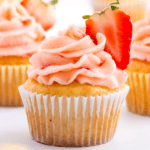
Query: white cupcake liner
x,y
138,99
12,76
72,121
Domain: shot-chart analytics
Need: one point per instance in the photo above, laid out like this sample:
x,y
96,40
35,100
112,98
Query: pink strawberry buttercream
x,y
71,56
140,47
20,35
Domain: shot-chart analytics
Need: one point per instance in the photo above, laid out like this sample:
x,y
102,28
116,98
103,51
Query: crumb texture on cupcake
x,y
139,66
14,60
74,88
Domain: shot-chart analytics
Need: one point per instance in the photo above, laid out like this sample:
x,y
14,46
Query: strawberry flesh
x,y
117,28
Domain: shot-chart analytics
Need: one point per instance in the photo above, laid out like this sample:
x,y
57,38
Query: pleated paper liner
x,y
135,8
138,99
12,76
72,121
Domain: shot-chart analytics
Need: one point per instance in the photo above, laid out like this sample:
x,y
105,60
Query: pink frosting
x,y
20,35
140,47
71,56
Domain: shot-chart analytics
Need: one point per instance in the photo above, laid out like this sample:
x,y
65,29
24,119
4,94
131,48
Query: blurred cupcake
x,y
20,37
44,13
75,90
10,1
138,100
135,8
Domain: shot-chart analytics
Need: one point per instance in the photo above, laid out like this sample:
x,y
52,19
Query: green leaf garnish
x,y
53,2
86,17
113,7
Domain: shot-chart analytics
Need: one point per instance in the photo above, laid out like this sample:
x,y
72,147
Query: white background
x,y
133,131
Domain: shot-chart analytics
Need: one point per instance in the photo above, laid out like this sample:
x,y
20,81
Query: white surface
x,y
70,12
133,132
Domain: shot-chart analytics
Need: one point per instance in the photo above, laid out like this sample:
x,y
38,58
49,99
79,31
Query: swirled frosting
x,y
20,35
71,56
140,47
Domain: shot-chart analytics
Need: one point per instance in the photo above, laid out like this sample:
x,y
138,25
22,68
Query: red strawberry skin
x,y
117,28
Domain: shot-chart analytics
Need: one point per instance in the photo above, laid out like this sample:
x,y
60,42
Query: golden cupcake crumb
x,y
139,66
14,60
75,89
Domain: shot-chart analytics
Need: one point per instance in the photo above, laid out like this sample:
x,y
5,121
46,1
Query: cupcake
x,y
38,9
75,89
138,100
20,37
135,8
10,1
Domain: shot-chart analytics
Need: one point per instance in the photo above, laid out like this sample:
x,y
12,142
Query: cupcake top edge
x,y
97,57
20,34
140,47
73,56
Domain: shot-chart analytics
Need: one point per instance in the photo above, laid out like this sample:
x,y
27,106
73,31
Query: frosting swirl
x,y
20,35
140,47
71,56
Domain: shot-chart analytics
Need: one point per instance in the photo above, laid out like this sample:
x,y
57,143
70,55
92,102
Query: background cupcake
x,y
75,89
138,100
135,8
10,1
43,12
20,37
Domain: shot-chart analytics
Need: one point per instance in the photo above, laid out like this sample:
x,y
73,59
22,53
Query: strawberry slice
x,y
117,28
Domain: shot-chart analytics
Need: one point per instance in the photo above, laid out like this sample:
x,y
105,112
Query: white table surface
x,y
70,12
133,131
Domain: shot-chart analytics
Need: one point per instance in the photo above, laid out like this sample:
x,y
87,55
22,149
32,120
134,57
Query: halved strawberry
x,y
117,28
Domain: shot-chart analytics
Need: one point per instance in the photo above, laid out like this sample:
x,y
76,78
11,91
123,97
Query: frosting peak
x,y
73,33
140,47
71,56
20,35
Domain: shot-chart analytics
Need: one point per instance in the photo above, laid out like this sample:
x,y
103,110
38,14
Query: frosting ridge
x,y
140,47
71,56
20,35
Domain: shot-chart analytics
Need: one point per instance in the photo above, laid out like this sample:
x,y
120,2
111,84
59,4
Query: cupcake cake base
x,y
72,121
138,99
